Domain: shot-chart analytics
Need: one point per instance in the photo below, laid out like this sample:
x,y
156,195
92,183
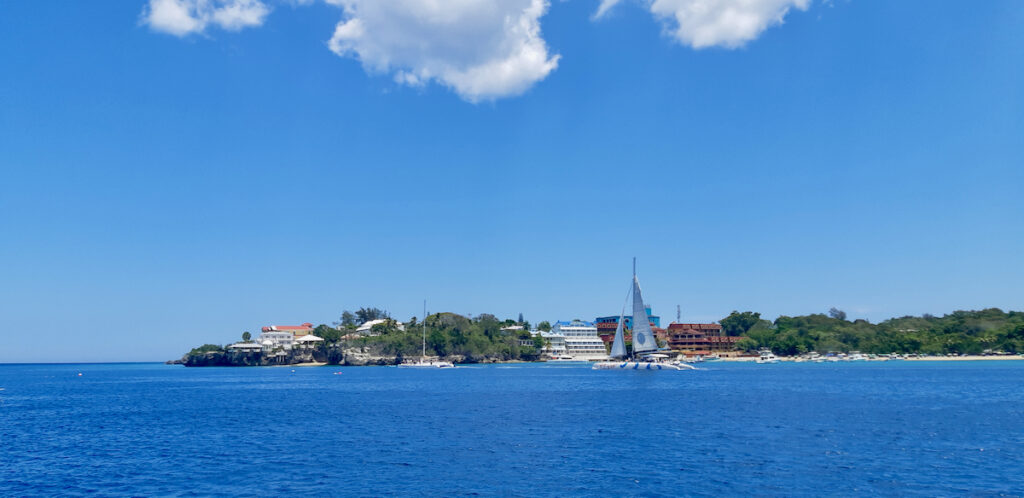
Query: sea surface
x,y
892,428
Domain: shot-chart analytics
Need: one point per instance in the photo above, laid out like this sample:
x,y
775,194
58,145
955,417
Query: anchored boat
x,y
424,363
645,347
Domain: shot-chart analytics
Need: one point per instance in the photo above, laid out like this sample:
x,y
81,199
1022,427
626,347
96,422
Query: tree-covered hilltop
x,y
449,335
960,332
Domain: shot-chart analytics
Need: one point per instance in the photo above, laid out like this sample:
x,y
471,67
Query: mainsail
x,y
643,336
619,346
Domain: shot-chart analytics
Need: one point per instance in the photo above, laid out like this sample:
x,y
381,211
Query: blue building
x,y
654,319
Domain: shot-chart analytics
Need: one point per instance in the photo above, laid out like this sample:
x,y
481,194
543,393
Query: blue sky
x,y
170,182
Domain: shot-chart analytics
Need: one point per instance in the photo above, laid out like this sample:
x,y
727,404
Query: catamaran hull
x,y
638,365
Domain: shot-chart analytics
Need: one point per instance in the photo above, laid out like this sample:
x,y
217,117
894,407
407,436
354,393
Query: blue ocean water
x,y
894,428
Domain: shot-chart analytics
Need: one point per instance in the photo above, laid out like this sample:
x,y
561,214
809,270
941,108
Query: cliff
x,y
332,355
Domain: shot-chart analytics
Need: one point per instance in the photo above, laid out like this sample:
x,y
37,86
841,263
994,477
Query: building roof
x,y
309,338
285,328
694,326
244,345
369,325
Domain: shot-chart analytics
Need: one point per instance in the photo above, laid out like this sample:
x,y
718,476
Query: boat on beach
x,y
645,346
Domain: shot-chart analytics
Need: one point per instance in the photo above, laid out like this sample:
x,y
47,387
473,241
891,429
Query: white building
x,y
308,340
554,344
581,339
272,339
367,328
245,347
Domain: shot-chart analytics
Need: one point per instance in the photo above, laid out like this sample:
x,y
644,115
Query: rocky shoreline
x,y
332,355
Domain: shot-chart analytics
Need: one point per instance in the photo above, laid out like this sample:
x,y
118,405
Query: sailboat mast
x,y
632,329
424,354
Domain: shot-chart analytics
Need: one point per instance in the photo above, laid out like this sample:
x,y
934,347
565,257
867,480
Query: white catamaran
x,y
423,363
644,355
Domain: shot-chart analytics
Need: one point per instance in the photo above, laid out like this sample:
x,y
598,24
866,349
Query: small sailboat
x,y
644,355
423,362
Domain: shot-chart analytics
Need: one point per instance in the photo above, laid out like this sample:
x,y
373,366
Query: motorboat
x,y
561,357
766,356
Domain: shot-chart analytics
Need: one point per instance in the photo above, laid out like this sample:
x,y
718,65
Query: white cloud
x,y
185,17
482,49
709,23
605,6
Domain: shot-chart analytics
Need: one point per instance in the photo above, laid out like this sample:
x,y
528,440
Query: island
x,y
370,336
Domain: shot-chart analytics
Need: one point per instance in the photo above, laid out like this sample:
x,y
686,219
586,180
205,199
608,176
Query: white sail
x,y
619,345
643,336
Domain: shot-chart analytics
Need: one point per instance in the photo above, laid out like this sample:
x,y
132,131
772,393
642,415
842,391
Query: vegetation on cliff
x,y
480,338
448,335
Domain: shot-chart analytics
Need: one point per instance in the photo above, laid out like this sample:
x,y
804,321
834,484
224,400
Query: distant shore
x,y
921,358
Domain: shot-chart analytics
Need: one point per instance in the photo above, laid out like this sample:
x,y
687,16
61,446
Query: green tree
x,y
328,334
364,315
737,324
387,327
837,313
246,336
348,319
539,342
746,344
544,326
206,348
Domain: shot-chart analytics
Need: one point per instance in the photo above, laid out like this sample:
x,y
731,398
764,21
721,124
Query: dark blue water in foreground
x,y
891,428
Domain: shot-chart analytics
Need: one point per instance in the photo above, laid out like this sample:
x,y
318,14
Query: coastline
x,y
751,359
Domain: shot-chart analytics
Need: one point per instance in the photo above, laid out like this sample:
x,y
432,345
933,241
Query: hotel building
x,y
581,339
700,339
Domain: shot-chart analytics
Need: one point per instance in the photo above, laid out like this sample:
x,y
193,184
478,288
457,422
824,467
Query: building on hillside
x,y
245,347
274,339
308,341
554,343
294,330
700,339
366,329
581,339
655,320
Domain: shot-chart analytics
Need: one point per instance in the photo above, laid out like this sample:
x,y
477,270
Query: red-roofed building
x,y
296,330
700,338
